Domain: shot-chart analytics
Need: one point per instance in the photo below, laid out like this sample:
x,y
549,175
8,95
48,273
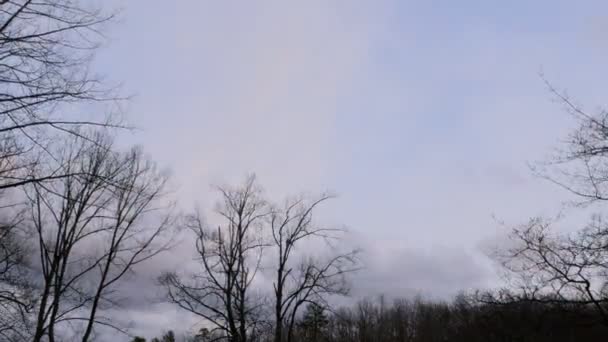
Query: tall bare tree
x,y
547,266
45,52
93,226
300,278
229,256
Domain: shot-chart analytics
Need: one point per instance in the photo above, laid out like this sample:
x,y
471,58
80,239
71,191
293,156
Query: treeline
x,y
460,320
464,319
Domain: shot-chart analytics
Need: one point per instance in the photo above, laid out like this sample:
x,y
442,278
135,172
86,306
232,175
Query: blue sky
x,y
421,115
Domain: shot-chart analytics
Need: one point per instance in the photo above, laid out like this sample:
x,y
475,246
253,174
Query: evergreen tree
x,y
314,322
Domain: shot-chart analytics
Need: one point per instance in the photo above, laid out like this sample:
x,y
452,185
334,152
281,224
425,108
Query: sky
x,y
421,115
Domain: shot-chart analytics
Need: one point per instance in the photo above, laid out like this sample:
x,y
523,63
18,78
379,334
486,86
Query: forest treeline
x,y
80,214
417,320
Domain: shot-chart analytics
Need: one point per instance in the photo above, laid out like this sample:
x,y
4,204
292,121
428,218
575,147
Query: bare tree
x,y
230,259
550,267
45,52
302,279
93,227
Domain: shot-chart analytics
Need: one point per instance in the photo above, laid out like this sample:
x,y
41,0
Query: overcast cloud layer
x,y
420,115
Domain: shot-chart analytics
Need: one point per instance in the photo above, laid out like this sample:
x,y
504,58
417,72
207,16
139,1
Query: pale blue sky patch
x,y
420,114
